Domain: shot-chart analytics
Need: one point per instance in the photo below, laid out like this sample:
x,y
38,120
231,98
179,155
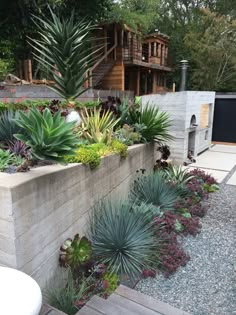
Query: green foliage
x,y
66,299
49,137
7,62
5,159
153,189
86,155
212,49
119,147
112,280
123,239
97,127
127,135
76,252
156,124
63,49
177,175
8,126
210,188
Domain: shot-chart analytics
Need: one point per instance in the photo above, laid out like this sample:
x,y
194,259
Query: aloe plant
x,y
48,136
177,174
8,126
64,49
98,127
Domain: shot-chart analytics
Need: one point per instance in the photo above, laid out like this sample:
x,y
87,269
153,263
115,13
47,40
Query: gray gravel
x,y
207,285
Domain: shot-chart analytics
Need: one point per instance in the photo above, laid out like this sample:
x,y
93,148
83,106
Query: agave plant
x,y
64,50
98,127
157,124
152,188
177,174
48,136
8,126
123,238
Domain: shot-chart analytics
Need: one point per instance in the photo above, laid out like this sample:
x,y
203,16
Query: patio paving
x,y
218,161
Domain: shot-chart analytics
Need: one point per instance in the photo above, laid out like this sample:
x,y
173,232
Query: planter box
x,y
43,207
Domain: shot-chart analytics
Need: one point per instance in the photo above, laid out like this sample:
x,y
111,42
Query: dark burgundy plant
x,y
206,178
198,210
19,148
54,107
112,104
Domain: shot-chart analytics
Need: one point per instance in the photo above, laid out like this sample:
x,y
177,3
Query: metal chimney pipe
x,y
184,72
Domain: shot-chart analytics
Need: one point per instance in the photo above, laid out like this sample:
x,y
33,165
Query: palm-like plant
x,y
123,238
48,136
98,127
153,189
64,50
157,124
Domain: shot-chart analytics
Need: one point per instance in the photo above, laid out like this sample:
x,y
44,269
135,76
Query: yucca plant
x,y
48,136
8,126
64,49
177,174
98,127
152,188
123,238
156,123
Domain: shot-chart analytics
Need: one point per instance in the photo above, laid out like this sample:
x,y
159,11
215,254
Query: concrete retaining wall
x,y
181,107
43,207
13,93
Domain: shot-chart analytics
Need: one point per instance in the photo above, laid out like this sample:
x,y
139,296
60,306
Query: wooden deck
x,y
124,301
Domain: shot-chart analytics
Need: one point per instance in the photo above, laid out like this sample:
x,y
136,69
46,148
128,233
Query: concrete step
x,y
148,302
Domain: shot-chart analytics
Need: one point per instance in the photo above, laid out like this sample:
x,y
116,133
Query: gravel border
x,y
207,284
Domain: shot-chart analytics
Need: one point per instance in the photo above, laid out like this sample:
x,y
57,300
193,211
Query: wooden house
x,y
130,61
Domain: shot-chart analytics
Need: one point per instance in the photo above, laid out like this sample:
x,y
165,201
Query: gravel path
x,y
207,285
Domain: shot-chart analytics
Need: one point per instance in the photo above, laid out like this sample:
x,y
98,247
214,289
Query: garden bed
x,y
43,207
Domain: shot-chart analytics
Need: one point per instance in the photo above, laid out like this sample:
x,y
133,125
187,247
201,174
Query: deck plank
x,y
148,301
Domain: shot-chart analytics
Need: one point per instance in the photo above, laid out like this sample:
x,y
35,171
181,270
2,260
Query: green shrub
x,y
123,239
49,137
156,124
119,148
153,189
85,155
127,135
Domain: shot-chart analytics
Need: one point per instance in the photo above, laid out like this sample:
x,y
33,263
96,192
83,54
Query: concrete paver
x,y
224,148
232,180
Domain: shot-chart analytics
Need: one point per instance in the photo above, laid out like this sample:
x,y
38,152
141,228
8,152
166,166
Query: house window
x,y
153,50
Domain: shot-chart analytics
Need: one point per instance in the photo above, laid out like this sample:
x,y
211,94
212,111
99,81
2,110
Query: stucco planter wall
x,y
43,207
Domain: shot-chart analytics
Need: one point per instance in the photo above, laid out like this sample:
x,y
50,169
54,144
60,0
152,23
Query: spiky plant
x,y
48,136
157,124
152,188
123,238
98,127
64,49
8,126
177,174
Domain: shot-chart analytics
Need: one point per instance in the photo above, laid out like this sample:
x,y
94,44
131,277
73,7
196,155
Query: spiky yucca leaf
x,y
49,137
123,238
64,50
97,127
152,188
157,124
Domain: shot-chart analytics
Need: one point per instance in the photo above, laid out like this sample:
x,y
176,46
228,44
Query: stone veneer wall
x,y
43,207
181,106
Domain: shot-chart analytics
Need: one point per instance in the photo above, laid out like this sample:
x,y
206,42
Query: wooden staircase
x,y
125,301
100,71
